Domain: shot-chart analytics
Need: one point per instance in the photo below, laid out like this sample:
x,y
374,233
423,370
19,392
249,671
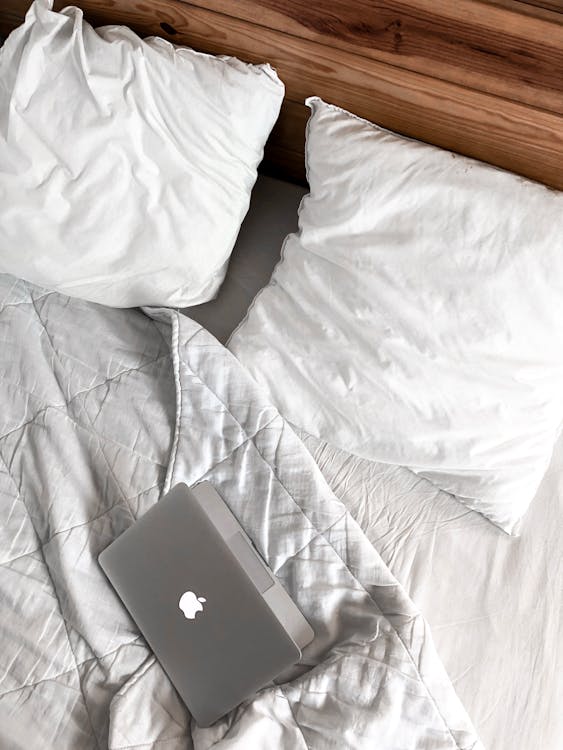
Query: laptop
x,y
216,617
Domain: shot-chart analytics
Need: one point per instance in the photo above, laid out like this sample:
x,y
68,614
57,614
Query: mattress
x,y
271,217
494,602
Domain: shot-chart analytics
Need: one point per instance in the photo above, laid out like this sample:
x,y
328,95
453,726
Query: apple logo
x,y
190,604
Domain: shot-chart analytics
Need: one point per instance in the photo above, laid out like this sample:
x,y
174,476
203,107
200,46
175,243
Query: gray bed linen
x,y
102,410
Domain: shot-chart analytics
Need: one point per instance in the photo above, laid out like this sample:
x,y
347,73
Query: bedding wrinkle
x,y
157,400
493,603
256,440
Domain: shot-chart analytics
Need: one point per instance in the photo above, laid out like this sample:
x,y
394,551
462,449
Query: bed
x,y
439,72
490,604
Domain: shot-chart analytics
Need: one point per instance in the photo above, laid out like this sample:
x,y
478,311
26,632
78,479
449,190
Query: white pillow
x,y
126,165
417,317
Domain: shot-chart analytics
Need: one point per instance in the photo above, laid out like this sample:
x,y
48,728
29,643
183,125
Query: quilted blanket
x,y
102,410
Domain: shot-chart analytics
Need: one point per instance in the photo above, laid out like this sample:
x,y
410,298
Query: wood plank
x,y
504,47
506,50
284,152
12,14
553,5
520,138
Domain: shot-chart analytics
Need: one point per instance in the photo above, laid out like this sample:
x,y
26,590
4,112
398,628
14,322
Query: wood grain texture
x,y
508,112
553,5
12,13
284,152
497,49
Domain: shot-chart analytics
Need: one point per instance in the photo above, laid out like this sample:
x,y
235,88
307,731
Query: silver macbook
x,y
216,617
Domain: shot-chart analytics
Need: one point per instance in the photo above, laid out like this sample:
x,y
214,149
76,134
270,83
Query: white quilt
x,y
104,409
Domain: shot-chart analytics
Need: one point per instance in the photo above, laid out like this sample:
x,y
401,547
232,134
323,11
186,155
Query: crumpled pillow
x,y
126,165
416,319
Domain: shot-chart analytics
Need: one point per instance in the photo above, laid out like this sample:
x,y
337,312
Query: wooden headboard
x,y
481,78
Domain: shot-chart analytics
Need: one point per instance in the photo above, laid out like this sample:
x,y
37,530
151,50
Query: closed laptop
x,y
217,619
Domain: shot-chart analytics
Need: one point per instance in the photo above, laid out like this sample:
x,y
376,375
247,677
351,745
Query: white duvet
x,y
102,410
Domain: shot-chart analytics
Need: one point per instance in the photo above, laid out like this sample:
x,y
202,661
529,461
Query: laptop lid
x,y
208,625
256,568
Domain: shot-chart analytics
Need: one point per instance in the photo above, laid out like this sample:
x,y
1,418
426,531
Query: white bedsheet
x,y
494,603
